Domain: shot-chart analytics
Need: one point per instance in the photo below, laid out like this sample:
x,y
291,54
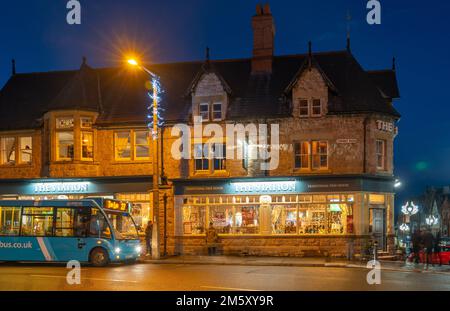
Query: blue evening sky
x,y
36,34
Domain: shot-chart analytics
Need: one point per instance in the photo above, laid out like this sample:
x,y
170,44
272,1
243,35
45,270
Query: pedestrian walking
x,y
148,237
428,243
212,239
417,244
437,247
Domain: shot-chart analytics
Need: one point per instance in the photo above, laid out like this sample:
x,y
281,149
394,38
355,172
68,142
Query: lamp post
x,y
153,125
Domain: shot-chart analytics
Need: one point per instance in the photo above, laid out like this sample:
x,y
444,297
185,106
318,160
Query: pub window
x,y
194,218
302,154
65,145
141,145
319,154
8,150
246,220
284,219
9,221
316,107
303,107
219,154
37,221
381,154
204,111
217,112
221,218
201,157
26,148
122,143
87,146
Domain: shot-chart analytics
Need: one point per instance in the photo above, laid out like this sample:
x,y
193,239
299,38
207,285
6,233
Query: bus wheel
x,y
99,257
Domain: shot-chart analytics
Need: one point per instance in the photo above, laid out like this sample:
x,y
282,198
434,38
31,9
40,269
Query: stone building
x,y
330,191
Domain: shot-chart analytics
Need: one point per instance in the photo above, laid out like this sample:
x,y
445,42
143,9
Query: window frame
x,y
214,111
116,157
135,145
311,155
300,107
82,145
382,154
313,101
22,150
200,113
57,144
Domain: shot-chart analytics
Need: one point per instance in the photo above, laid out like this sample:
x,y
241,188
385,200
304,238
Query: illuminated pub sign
x,y
60,187
264,187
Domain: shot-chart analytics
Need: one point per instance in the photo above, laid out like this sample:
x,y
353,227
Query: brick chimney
x,y
263,35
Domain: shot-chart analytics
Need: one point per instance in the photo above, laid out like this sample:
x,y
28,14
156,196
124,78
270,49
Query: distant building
x,y
84,132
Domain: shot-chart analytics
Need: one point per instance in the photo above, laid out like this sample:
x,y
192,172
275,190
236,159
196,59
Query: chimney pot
x,y
263,40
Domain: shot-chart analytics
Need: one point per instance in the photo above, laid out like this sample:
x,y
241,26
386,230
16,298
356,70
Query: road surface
x,y
151,277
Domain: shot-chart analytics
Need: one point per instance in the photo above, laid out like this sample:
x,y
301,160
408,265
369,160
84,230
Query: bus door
x,y
71,231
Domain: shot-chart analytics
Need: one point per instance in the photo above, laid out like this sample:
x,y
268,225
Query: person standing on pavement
x,y
416,242
437,247
148,237
428,243
211,239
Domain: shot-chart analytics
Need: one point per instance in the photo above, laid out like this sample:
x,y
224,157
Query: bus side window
x,y
98,225
83,216
9,220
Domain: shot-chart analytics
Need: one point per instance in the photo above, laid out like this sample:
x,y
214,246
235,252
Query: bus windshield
x,y
123,225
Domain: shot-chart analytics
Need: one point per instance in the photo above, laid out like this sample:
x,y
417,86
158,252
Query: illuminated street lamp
x,y
155,122
432,220
410,208
404,227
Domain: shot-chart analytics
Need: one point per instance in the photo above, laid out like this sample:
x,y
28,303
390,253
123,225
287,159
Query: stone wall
x,y
296,246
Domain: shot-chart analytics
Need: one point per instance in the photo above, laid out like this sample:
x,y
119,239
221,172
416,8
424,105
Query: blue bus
x,y
94,230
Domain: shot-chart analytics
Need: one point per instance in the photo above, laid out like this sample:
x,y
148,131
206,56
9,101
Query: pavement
x,y
387,265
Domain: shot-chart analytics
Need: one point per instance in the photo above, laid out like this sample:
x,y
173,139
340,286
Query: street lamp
x,y
153,125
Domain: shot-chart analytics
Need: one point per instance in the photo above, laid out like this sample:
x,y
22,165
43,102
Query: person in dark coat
x,y
428,244
437,247
212,239
417,245
148,237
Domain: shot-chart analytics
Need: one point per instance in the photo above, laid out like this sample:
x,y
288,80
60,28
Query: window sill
x,y
211,174
116,162
15,165
310,171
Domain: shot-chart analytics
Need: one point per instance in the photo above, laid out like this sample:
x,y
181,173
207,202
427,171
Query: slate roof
x,y
119,93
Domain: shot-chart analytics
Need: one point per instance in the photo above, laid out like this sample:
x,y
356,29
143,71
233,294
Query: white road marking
x,y
93,279
232,288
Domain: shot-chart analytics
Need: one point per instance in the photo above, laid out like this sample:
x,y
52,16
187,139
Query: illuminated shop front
x,y
136,190
271,208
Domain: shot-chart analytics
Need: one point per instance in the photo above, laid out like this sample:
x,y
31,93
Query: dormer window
x,y
316,107
217,111
204,111
310,108
304,108
211,111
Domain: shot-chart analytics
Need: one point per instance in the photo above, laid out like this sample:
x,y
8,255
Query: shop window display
x,y
194,218
222,218
246,220
284,219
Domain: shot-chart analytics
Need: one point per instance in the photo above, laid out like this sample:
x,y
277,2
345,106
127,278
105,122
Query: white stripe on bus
x,y
44,249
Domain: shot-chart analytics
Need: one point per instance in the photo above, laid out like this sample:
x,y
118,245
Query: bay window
x,y
65,145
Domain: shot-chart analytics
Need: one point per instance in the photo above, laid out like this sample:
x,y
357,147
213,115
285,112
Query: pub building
x,y
81,133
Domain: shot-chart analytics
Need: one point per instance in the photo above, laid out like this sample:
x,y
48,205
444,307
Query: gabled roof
x,y
386,81
119,94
